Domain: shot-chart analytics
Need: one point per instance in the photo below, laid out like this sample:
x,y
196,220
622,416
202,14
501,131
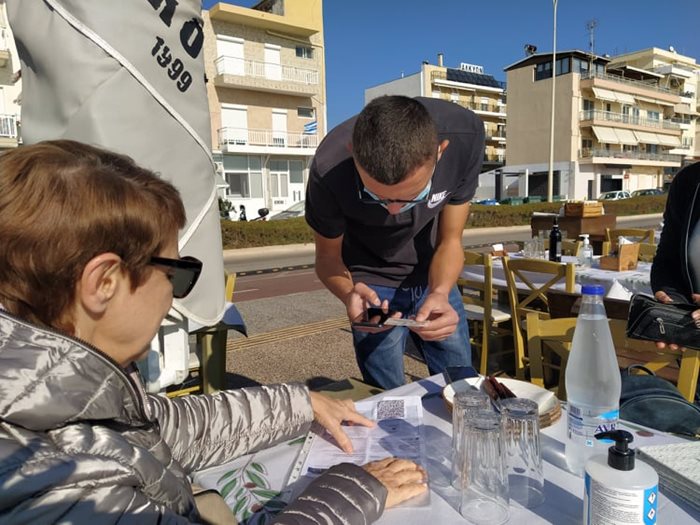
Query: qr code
x,y
391,409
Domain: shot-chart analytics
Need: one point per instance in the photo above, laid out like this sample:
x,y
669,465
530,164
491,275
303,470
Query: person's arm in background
x,y
445,267
333,273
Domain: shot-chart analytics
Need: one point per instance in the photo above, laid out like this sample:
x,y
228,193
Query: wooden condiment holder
x,y
627,257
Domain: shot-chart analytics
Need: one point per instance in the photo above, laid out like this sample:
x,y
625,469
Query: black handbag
x,y
670,323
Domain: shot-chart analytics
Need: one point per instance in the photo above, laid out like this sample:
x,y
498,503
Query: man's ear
x,y
442,147
99,282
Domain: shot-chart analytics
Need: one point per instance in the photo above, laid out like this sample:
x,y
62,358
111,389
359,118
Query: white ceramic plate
x,y
545,399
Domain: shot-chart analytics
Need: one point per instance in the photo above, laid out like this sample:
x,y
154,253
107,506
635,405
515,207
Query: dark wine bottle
x,y
555,242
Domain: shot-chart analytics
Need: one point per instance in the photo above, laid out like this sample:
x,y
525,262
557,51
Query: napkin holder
x,y
625,259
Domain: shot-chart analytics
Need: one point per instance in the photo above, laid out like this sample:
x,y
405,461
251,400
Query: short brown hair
x,y
393,135
63,203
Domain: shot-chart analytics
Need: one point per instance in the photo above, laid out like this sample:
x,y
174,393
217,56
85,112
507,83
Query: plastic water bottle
x,y
555,242
592,382
585,257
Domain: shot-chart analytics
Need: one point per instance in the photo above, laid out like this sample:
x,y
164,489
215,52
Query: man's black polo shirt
x,y
384,249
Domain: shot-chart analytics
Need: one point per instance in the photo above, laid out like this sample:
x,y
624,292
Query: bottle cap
x,y
620,456
592,289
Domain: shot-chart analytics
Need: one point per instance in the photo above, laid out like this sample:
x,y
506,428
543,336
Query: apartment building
x,y
678,73
466,85
616,126
267,98
10,85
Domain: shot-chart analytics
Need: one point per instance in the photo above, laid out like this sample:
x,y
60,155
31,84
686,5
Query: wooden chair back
x,y
679,367
647,251
568,246
633,234
527,296
477,297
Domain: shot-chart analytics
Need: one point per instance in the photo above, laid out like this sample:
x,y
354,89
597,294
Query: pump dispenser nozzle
x,y
620,456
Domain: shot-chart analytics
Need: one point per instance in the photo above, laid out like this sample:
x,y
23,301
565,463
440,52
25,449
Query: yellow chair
x,y
640,235
528,282
647,251
480,307
212,342
568,246
557,334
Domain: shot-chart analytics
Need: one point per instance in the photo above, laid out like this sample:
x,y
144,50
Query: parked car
x,y
648,191
487,202
295,210
614,195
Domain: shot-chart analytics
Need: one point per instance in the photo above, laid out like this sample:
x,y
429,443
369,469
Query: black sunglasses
x,y
367,197
184,274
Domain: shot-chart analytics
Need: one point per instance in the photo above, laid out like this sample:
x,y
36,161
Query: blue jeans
x,y
380,355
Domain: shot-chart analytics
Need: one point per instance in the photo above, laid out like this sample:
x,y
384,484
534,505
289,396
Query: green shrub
x,y
236,234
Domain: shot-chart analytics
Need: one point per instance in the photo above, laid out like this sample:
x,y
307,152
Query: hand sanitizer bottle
x,y
585,257
616,489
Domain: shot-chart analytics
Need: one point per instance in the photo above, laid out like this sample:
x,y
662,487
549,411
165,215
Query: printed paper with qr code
x,y
398,432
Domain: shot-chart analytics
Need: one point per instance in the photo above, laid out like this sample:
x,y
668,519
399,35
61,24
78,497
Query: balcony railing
x,y
8,126
226,65
623,118
480,106
266,138
495,134
619,154
621,80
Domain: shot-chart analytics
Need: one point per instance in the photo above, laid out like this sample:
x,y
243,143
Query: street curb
x,y
241,255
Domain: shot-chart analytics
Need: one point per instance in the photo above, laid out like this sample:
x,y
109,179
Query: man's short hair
x,y
63,203
393,135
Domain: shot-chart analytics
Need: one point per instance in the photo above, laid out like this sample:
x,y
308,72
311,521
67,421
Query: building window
x,y
653,115
652,148
563,66
543,70
588,105
630,147
454,96
580,66
243,175
305,52
296,172
306,112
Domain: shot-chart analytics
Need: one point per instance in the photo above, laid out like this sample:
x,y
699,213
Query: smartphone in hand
x,y
376,318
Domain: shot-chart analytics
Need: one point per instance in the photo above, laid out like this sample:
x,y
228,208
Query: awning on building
x,y
605,135
625,136
653,100
647,138
613,96
668,140
604,94
624,98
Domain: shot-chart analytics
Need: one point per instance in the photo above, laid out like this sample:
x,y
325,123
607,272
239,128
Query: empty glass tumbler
x,y
464,406
485,483
521,435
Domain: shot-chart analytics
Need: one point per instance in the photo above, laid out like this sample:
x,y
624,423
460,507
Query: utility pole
x,y
550,174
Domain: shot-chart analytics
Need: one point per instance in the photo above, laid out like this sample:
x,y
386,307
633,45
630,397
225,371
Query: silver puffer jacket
x,y
81,442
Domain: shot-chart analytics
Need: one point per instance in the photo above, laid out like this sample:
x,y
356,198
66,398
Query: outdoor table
x,y
618,285
563,491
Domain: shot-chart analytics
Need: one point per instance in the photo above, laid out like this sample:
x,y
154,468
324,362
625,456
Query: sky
x,y
369,42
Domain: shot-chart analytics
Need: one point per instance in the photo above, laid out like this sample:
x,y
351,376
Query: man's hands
x,y
359,299
330,413
443,319
663,297
402,478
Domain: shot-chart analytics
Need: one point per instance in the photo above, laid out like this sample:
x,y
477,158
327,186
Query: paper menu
x,y
398,432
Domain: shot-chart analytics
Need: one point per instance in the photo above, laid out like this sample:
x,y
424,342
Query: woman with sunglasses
x,y
89,265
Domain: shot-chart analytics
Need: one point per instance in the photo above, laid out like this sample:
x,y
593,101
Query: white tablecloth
x,y
563,491
618,285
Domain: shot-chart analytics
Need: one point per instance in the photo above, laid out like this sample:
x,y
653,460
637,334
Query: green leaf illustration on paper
x,y
257,479
228,487
259,467
240,505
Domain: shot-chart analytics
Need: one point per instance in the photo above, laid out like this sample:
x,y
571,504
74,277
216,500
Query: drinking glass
x,y
521,435
485,483
464,406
